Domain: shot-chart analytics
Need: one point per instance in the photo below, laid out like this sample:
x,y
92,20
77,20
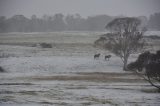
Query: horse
x,y
96,56
107,57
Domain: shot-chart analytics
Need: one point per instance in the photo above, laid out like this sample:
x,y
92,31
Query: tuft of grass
x,y
102,101
28,92
7,98
87,103
78,87
151,90
46,45
46,102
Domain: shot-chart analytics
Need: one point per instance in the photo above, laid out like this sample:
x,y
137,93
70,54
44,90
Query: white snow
x,y
60,64
18,88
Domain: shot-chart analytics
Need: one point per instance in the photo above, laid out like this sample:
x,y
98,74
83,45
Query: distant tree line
x,y
154,22
59,22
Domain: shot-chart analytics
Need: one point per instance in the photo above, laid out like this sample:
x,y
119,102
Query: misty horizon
x,y
80,15
84,17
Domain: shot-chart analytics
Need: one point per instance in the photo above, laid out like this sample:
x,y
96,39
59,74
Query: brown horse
x,y
96,56
107,57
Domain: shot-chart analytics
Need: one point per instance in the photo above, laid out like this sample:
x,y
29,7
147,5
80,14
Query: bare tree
x,y
125,38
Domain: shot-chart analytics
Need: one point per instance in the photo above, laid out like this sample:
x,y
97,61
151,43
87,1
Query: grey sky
x,y
83,7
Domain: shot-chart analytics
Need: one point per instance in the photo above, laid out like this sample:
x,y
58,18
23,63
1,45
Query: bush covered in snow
x,y
151,63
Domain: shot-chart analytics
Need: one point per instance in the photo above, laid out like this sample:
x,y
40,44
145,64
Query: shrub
x,y
45,45
1,69
151,63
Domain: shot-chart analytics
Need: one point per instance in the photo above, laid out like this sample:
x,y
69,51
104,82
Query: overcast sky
x,y
83,7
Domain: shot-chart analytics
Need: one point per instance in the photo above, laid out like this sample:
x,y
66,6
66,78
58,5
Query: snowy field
x,y
67,74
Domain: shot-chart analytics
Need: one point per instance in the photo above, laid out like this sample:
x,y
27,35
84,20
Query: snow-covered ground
x,y
67,75
60,64
153,33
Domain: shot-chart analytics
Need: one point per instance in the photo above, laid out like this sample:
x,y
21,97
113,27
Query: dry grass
x,y
100,101
95,77
150,90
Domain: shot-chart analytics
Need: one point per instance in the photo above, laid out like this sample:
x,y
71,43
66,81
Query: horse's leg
x,y
105,58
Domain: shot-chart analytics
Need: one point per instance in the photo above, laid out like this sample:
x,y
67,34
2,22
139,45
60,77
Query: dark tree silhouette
x,y
151,64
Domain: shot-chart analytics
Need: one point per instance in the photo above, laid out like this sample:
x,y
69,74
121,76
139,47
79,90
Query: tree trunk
x,y
125,63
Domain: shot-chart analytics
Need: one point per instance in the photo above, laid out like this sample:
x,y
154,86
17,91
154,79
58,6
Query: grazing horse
x,y
107,57
96,56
